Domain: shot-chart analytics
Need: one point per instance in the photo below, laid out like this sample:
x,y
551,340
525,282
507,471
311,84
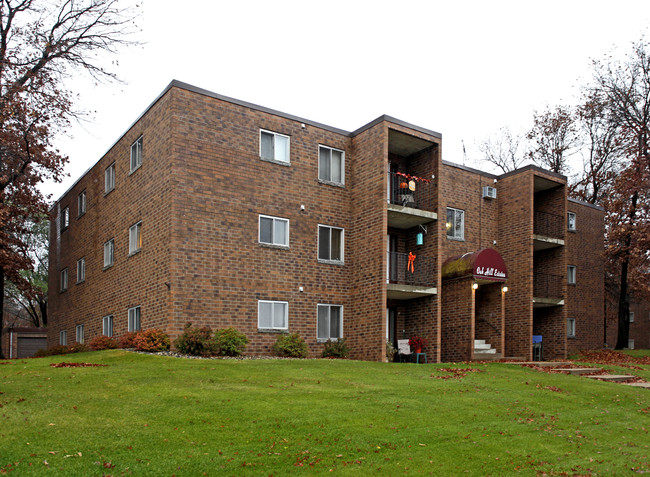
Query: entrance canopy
x,y
485,265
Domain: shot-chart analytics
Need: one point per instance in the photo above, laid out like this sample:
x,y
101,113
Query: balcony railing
x,y
408,192
411,269
546,285
549,225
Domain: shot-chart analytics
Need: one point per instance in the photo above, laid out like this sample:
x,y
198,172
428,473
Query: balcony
x,y
547,290
548,230
410,201
410,276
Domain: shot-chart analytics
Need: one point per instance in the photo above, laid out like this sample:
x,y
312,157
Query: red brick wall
x,y
515,202
143,195
457,319
585,299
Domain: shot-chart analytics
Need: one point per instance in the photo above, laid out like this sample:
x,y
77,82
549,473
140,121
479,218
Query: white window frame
x,y
274,220
81,269
107,326
273,326
571,327
109,178
631,317
630,343
136,154
109,253
64,279
79,338
329,336
571,221
63,338
571,273
342,245
287,159
135,238
451,227
134,319
322,172
65,218
81,203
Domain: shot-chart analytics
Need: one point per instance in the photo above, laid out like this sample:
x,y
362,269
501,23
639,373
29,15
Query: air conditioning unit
x,y
489,192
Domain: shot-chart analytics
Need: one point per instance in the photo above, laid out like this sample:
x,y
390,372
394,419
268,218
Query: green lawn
x,y
153,415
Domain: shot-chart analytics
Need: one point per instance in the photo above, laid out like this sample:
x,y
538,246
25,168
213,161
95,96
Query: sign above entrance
x,y
484,265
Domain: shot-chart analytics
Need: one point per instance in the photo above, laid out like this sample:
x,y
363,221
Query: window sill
x,y
457,239
108,192
325,340
81,215
340,185
63,291
273,330
132,171
273,245
331,262
81,281
135,252
63,229
571,337
572,230
107,267
274,161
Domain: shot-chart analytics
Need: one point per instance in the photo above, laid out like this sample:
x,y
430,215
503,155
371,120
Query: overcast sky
x,y
461,68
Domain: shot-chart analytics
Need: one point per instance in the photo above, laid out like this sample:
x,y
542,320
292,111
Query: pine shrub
x,y
290,346
229,342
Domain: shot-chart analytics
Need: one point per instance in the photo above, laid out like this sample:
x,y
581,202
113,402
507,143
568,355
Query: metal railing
x,y
548,225
411,269
546,285
407,192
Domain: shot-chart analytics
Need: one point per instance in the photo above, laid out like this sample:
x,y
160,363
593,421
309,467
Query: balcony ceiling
x,y
541,183
405,145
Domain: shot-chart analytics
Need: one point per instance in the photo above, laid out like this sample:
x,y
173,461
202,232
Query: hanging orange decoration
x,y
411,264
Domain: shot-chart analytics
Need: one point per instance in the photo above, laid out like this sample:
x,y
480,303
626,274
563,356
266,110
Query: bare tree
x,y
625,85
41,44
602,148
553,138
503,150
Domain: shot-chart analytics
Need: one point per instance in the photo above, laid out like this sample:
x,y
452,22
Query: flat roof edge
x,y
535,168
586,204
399,122
469,169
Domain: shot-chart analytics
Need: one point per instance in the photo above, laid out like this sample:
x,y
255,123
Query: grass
x,y
153,415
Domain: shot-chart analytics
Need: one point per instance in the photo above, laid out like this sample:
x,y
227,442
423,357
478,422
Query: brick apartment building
x,y
219,212
639,333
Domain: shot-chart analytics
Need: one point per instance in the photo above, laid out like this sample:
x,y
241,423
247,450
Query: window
x,y
81,204
274,231
571,327
65,219
135,238
571,221
63,338
274,146
272,315
81,270
571,274
109,253
331,165
630,344
107,325
455,224
631,317
64,279
80,334
134,318
330,322
109,178
136,154
330,243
